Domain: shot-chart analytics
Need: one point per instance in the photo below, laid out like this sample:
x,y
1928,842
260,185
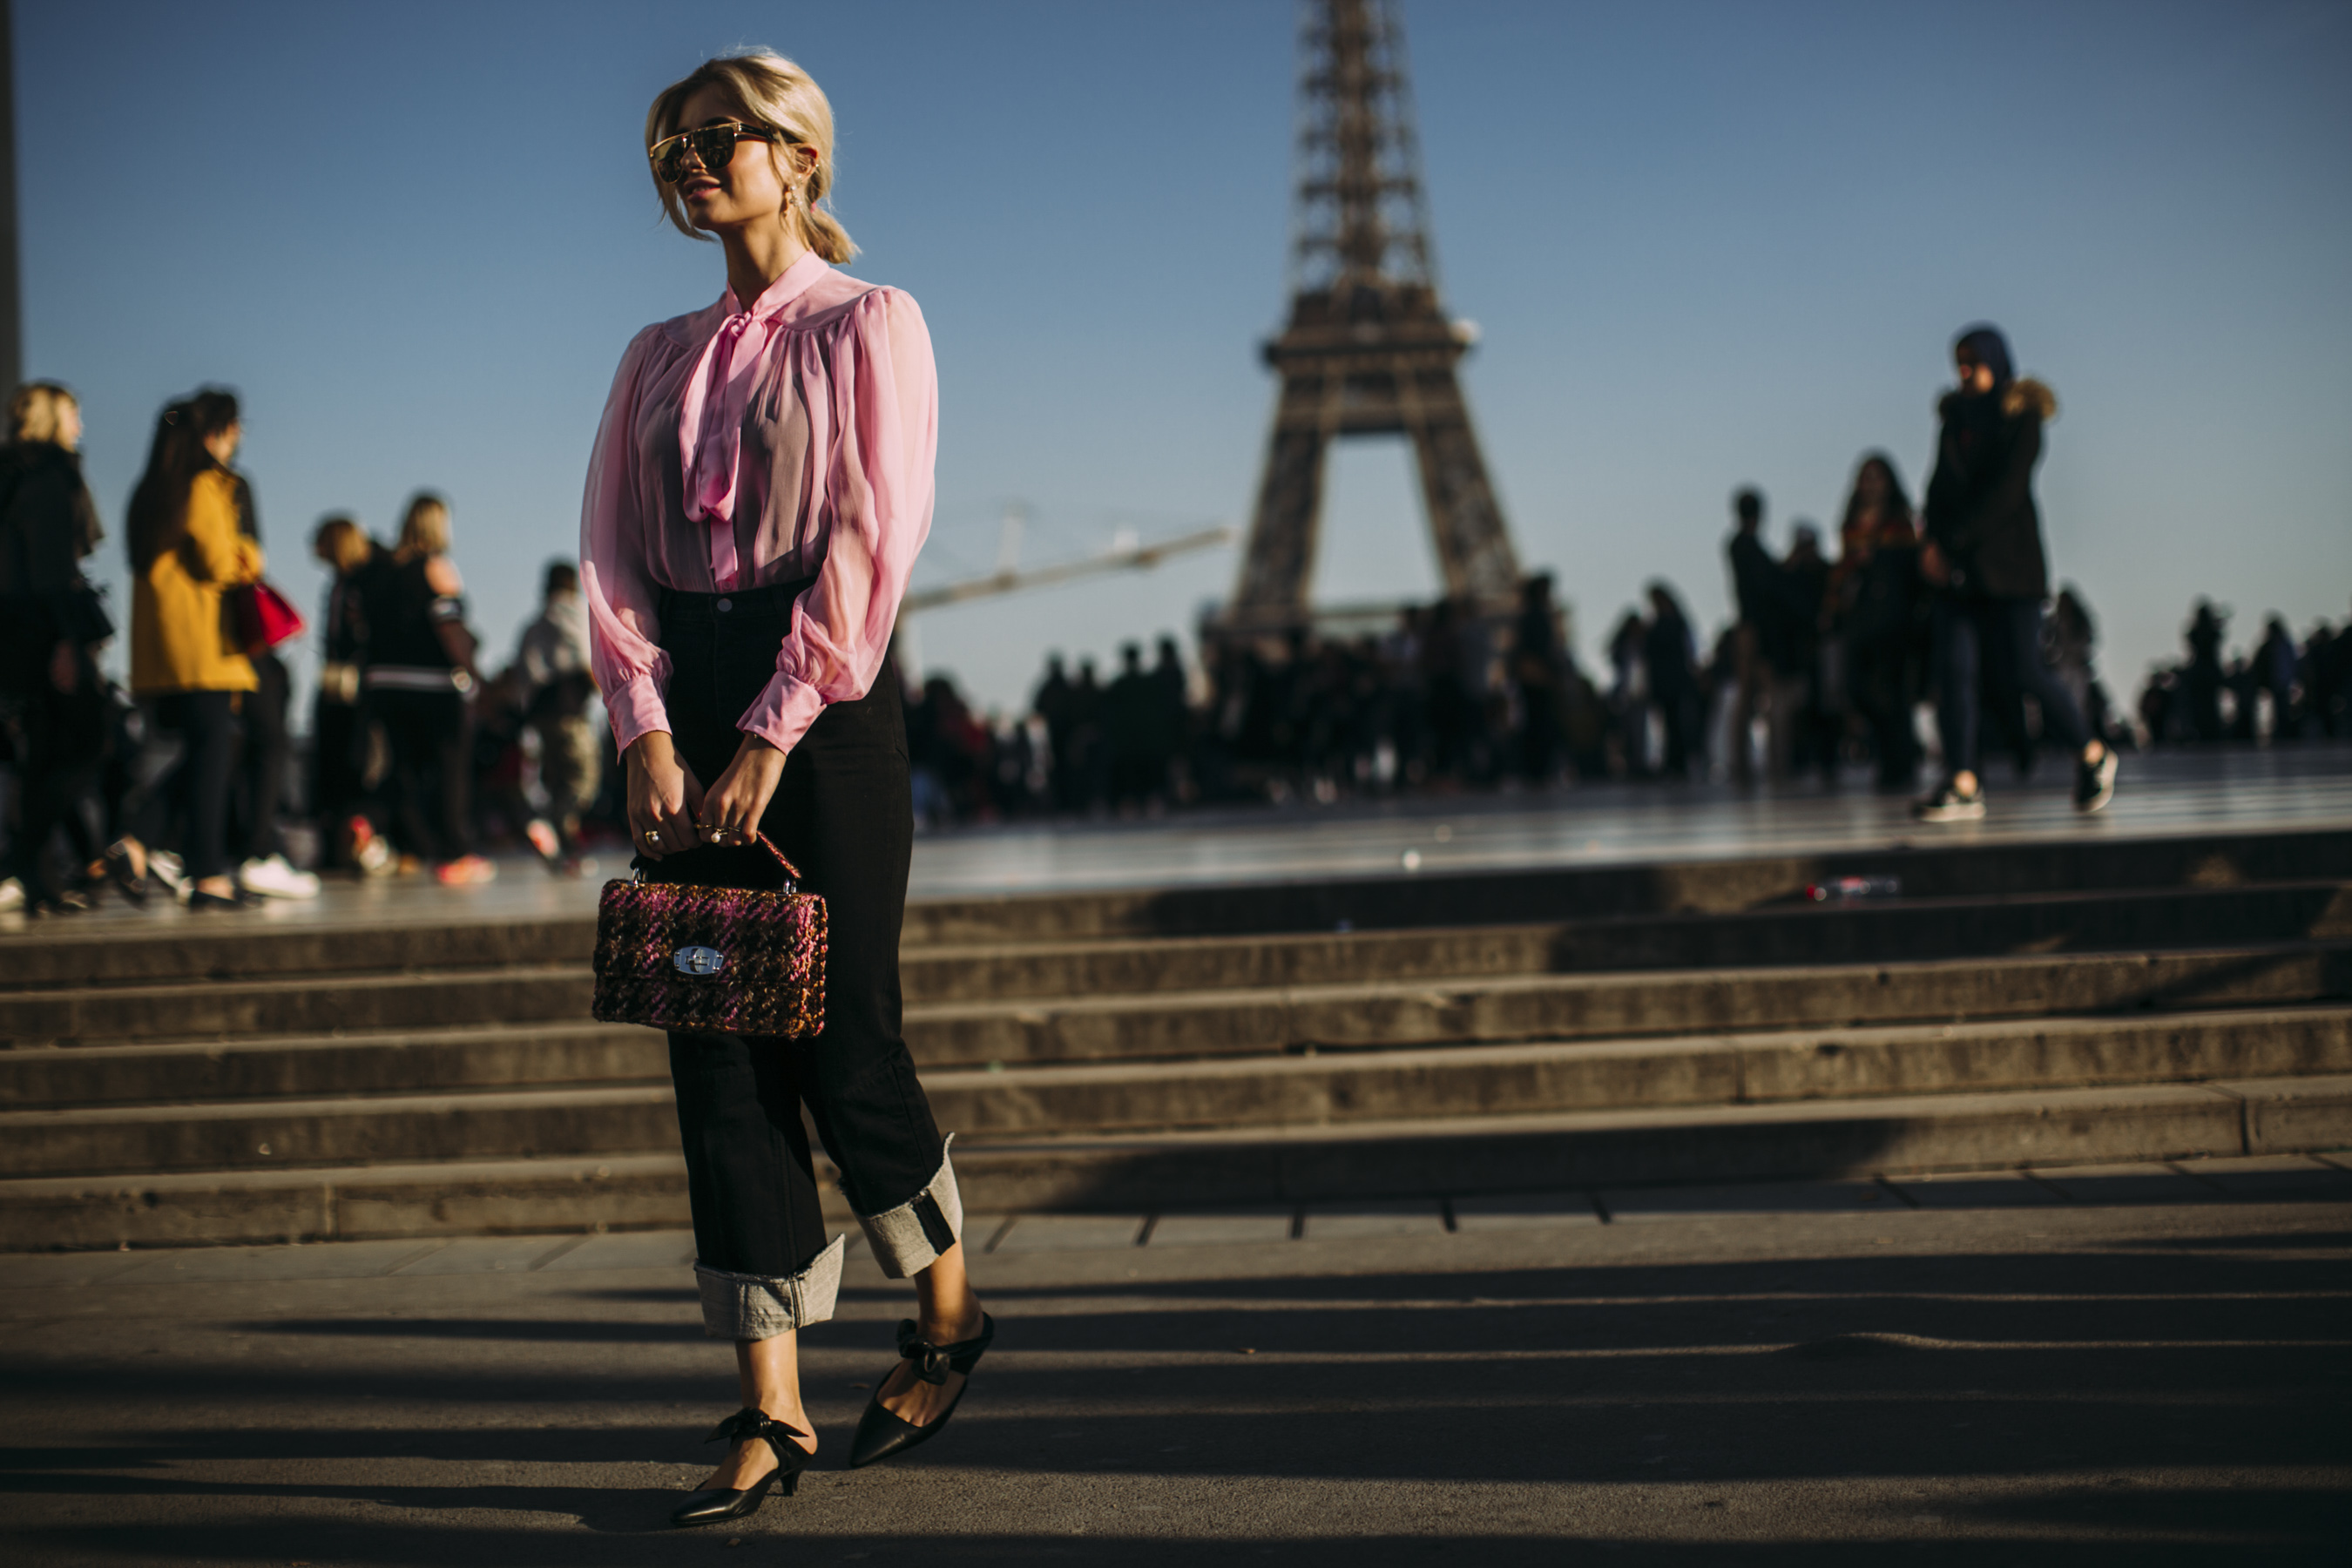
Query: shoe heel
x,y
790,1484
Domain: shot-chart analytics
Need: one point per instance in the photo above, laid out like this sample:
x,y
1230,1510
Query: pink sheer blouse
x,y
741,449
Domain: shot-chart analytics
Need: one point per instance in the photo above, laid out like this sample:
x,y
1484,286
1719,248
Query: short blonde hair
x,y
772,92
423,527
341,543
33,410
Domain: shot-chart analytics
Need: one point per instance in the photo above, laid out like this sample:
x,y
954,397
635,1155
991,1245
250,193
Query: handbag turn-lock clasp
x,y
698,960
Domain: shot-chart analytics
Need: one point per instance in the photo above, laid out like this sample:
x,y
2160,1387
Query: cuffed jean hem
x,y
754,1307
909,1238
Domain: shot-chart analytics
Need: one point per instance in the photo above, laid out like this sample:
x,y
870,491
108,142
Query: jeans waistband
x,y
681,609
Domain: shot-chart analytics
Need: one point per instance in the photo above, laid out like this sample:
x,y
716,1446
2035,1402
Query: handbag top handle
x,y
762,841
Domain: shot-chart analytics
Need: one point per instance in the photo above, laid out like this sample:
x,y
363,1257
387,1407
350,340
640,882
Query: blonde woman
x,y
419,679
760,486
51,627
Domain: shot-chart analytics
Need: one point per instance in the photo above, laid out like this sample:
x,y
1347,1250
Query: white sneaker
x,y
274,879
169,870
12,895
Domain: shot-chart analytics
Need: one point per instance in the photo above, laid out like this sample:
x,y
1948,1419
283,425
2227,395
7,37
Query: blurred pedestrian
x,y
760,485
1670,669
187,551
1984,553
2275,669
1756,589
265,754
553,661
52,625
419,678
1537,669
1875,605
2202,677
342,737
1799,727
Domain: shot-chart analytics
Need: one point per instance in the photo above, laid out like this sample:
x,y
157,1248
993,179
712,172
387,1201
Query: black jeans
x,y
843,814
430,736
1994,643
261,780
196,789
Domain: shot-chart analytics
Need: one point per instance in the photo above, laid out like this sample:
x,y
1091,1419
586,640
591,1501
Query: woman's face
x,y
747,189
1870,486
1974,377
222,443
68,424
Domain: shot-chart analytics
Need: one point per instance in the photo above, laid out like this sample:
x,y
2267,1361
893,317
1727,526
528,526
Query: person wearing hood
x,y
51,626
1984,555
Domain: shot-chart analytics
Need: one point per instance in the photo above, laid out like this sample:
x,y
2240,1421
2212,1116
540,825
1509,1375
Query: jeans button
x,y
725,605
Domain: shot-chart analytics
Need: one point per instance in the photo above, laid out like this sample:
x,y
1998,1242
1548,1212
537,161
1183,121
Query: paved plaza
x,y
2145,1363
2141,1364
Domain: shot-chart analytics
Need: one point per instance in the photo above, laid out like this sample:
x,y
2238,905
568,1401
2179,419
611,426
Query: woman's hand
x,y
733,807
663,797
1933,566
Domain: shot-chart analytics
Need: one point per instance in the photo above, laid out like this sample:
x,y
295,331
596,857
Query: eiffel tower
x,y
1368,350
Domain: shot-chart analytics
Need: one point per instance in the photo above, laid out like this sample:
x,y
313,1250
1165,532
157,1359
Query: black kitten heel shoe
x,y
881,1434
741,1502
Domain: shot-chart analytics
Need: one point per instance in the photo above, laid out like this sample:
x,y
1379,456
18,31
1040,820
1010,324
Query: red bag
x,y
265,618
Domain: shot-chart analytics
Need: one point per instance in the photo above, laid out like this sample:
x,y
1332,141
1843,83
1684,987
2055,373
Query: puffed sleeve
x,y
631,670
882,396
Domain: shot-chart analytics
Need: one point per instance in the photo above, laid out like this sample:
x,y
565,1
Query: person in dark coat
x,y
51,626
1984,553
1669,663
1756,586
1875,606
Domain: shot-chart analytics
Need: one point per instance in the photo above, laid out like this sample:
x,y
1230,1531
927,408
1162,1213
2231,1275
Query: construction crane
x,y
1126,553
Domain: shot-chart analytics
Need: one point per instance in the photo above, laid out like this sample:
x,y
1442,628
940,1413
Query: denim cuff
x,y
754,1307
909,1238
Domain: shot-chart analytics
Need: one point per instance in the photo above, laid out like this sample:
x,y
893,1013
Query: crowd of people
x,y
182,782
1930,632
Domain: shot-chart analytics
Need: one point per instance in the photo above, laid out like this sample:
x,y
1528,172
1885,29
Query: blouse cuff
x,y
785,710
635,710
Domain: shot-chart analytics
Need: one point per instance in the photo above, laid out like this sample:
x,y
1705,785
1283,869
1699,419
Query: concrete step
x,y
304,1067
327,942
1858,932
309,1005
1562,1075
1412,1159
1539,1152
1271,1019
1481,896
285,1133
1587,1007
470,1123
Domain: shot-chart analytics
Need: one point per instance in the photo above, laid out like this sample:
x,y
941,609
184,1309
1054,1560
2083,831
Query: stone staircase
x,y
1407,1036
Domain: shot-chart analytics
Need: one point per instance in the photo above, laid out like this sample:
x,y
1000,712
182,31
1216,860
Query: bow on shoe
x,y
931,1361
741,1425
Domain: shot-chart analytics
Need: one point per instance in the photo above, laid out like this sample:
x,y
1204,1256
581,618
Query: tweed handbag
x,y
723,960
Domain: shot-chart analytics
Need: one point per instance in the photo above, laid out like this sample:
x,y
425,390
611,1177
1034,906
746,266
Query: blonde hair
x,y
341,543
772,92
33,410
424,528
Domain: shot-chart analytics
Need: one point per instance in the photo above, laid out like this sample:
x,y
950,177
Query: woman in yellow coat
x,y
187,666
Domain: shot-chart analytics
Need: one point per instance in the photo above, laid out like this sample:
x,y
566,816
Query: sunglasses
x,y
713,147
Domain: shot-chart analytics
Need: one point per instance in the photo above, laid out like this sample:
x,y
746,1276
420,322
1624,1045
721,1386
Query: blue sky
x,y
1708,243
